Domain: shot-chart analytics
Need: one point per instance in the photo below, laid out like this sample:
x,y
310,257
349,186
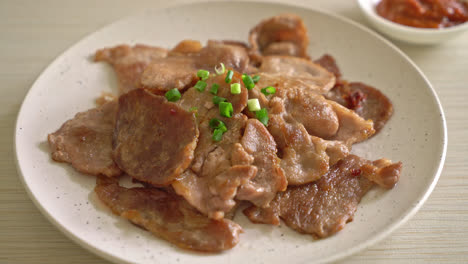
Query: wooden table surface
x,y
33,33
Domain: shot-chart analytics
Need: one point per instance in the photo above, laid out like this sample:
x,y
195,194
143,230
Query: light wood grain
x,y
33,33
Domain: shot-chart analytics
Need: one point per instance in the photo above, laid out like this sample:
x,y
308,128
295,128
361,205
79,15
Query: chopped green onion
x,y
217,135
217,100
221,69
225,109
256,78
223,128
253,104
262,116
203,74
214,88
194,110
268,90
216,123
229,76
248,82
200,86
235,88
173,95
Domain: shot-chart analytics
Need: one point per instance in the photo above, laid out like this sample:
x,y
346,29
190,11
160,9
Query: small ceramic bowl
x,y
406,33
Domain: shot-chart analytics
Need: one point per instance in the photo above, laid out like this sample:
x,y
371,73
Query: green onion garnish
x,y
256,78
216,123
214,88
223,128
200,86
235,88
268,90
217,100
203,74
193,109
217,135
173,95
221,69
253,104
248,82
262,116
229,76
225,109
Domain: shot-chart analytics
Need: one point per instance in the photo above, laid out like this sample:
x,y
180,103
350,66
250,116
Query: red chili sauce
x,y
424,13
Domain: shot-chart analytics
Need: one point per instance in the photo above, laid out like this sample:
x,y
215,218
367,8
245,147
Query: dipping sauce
x,y
424,13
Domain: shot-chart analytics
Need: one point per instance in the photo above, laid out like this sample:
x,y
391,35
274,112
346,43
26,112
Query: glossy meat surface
x,y
168,216
85,141
324,207
154,139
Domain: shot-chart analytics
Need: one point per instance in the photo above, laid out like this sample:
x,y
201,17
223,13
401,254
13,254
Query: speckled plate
x,y
416,135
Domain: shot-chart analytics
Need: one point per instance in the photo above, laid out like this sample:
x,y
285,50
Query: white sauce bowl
x,y
406,33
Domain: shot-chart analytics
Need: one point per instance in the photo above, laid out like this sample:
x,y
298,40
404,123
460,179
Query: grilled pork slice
x,y
168,216
179,70
284,34
324,207
85,141
211,182
202,101
129,62
270,178
366,101
321,117
154,139
297,72
233,168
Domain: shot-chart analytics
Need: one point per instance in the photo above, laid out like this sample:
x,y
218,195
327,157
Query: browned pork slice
x,y
352,128
284,34
324,207
154,139
270,178
297,72
295,119
232,55
303,157
180,69
168,216
310,109
367,101
321,117
171,72
129,62
211,182
85,141
186,47
202,101
328,62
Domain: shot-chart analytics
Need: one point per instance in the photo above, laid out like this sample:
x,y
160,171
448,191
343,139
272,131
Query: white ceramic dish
x,y
415,135
406,33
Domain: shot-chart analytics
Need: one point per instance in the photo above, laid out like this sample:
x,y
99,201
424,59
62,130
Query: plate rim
x,y
408,214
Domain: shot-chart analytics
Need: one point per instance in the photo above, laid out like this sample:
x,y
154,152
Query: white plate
x,y
416,135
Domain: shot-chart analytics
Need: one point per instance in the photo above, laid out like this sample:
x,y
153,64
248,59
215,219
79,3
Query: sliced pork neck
x,y
284,34
324,207
130,62
168,216
85,141
154,140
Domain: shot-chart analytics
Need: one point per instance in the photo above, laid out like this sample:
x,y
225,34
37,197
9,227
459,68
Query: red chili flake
x,y
355,99
355,172
173,111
